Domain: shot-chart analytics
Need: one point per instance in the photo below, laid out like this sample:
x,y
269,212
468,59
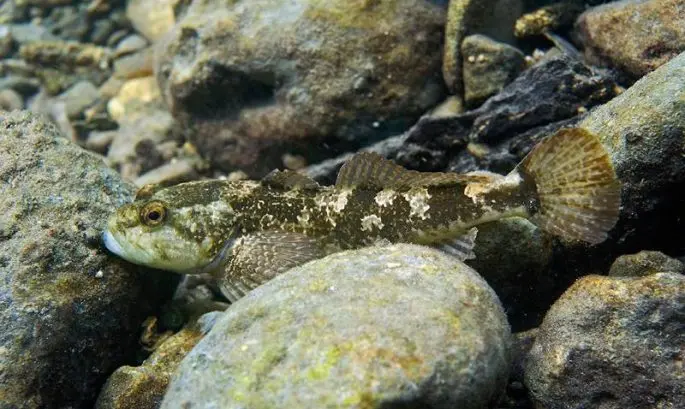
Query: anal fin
x,y
258,257
462,246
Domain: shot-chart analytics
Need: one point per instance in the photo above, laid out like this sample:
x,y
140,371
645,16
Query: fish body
x,y
246,232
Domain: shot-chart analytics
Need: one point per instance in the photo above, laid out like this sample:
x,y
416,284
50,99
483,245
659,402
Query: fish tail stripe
x,y
578,192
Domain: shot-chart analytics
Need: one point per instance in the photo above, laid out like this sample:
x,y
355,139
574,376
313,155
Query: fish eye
x,y
153,214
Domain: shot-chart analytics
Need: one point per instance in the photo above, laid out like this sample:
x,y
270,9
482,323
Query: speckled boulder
x,y
254,79
612,343
393,326
69,313
635,36
645,263
643,129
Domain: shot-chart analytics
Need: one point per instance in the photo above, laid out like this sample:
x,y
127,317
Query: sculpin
x,y
244,233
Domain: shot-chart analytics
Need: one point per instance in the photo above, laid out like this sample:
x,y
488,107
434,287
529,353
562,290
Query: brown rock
x,y
634,36
144,386
265,74
612,343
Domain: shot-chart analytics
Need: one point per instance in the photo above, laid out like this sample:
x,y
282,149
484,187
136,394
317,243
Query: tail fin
x,y
578,192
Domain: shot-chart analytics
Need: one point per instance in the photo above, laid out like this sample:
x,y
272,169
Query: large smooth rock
x,y
644,132
69,312
255,79
612,343
390,326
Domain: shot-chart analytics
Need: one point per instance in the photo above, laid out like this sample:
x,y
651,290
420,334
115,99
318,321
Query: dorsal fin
x,y
370,170
288,179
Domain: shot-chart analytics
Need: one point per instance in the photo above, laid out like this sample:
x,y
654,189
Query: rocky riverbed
x,y
101,97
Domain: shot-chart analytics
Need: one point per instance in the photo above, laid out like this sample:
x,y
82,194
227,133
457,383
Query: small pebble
x,y
10,100
130,44
177,171
99,141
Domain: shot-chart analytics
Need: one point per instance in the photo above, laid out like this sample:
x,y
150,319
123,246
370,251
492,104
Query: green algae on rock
x,y
254,79
612,343
144,386
69,312
644,131
357,329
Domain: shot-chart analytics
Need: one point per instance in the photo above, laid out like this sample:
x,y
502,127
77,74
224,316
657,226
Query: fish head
x,y
185,228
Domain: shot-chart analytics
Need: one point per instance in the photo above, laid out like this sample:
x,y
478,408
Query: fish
x,y
244,233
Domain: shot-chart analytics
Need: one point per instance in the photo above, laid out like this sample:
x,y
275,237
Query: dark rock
x,y
645,263
389,326
488,67
615,34
552,90
504,156
542,99
514,256
69,312
6,41
101,31
68,23
612,343
144,386
269,77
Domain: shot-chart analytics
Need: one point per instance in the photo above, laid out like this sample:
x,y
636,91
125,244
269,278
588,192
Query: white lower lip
x,y
111,243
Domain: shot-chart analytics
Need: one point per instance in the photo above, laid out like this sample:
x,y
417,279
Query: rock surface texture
x,y
255,79
69,312
635,36
612,343
390,326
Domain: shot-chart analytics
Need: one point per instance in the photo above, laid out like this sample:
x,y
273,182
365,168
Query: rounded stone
x,y
615,34
643,129
69,312
612,343
366,328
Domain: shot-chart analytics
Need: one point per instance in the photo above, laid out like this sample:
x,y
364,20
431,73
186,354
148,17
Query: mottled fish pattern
x,y
246,232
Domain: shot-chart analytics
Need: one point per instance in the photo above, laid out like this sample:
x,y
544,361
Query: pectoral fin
x,y
462,246
258,257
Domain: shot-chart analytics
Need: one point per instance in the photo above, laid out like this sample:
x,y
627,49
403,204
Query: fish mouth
x,y
111,243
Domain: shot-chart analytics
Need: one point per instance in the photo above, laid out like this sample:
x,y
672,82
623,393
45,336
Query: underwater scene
x,y
356,204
